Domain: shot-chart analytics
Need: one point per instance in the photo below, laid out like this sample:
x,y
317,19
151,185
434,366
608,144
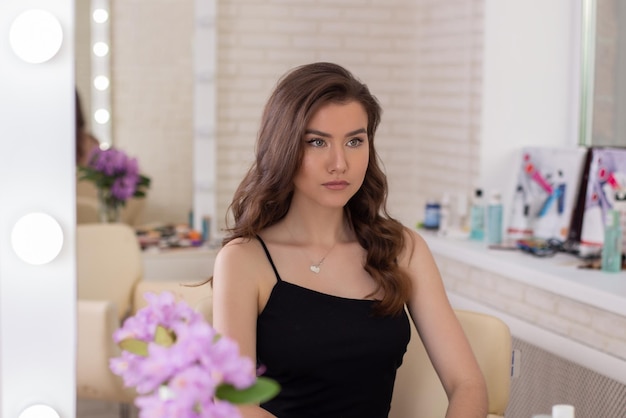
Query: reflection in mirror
x,y
93,66
100,70
604,73
82,47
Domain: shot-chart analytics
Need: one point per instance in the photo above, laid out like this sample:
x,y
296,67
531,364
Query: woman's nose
x,y
338,162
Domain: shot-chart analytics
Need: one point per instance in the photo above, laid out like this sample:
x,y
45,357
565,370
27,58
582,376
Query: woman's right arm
x,y
236,302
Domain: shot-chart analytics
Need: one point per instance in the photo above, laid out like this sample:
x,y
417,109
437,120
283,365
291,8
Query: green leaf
x,y
164,337
263,390
134,346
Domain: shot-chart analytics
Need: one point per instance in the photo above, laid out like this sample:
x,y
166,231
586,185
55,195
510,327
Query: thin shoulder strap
x,y
269,257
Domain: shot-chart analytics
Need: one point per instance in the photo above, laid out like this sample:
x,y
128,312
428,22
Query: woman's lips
x,y
336,185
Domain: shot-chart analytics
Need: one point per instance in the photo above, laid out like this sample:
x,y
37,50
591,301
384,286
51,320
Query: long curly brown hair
x,y
264,196
80,129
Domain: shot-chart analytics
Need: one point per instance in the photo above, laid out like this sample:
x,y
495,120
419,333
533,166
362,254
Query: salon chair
x,y
418,391
110,288
108,268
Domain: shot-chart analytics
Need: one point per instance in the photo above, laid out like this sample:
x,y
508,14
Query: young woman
x,y
314,275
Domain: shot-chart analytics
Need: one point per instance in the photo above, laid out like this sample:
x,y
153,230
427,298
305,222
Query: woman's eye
x,y
355,142
316,142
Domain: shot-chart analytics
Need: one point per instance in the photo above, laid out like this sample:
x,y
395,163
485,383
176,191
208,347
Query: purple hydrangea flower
x,y
224,358
124,187
119,161
128,366
155,406
192,385
132,167
180,380
116,175
218,409
155,369
105,161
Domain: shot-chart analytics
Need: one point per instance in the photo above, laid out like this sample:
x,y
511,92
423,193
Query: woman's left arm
x,y
441,333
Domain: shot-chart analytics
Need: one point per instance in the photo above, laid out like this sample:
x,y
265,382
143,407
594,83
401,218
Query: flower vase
x,y
108,208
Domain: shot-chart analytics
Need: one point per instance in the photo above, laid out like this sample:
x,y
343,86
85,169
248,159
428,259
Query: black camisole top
x,y
331,355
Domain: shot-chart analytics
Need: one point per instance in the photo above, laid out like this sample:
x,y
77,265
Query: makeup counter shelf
x,y
575,313
193,264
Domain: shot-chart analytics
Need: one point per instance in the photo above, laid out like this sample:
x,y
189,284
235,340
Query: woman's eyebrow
x,y
327,135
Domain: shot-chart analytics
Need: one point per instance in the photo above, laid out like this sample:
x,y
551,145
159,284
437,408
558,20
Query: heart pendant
x,y
315,269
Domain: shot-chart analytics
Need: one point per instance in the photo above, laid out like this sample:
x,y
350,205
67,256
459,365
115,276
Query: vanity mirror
x,y
161,98
603,74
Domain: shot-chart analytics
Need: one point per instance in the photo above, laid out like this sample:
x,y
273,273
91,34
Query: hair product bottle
x,y
477,217
612,248
494,219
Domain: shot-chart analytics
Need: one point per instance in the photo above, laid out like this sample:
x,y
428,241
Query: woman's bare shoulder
x,y
414,246
239,246
239,251
238,258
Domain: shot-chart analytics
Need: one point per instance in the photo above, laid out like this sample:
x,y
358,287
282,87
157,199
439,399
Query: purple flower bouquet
x,y
117,178
180,367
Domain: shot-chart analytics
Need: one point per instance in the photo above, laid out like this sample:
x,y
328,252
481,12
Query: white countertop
x,y
179,264
558,274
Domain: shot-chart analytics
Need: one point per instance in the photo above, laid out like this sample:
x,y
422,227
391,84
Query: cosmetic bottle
x,y
494,219
461,209
477,217
432,214
562,411
620,205
444,215
519,225
190,219
612,247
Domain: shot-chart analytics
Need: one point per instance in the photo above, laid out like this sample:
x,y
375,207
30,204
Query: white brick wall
x,y
420,58
376,41
388,45
152,98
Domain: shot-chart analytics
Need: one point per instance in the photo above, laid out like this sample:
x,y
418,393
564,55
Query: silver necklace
x,y
314,267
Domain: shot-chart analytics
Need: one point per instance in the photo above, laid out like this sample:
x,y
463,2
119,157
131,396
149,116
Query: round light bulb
x,y
102,116
39,411
101,82
100,49
37,238
36,36
100,15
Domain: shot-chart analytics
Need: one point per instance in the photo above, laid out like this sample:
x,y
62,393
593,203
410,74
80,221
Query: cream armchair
x,y
418,391
108,267
110,287
199,297
97,320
